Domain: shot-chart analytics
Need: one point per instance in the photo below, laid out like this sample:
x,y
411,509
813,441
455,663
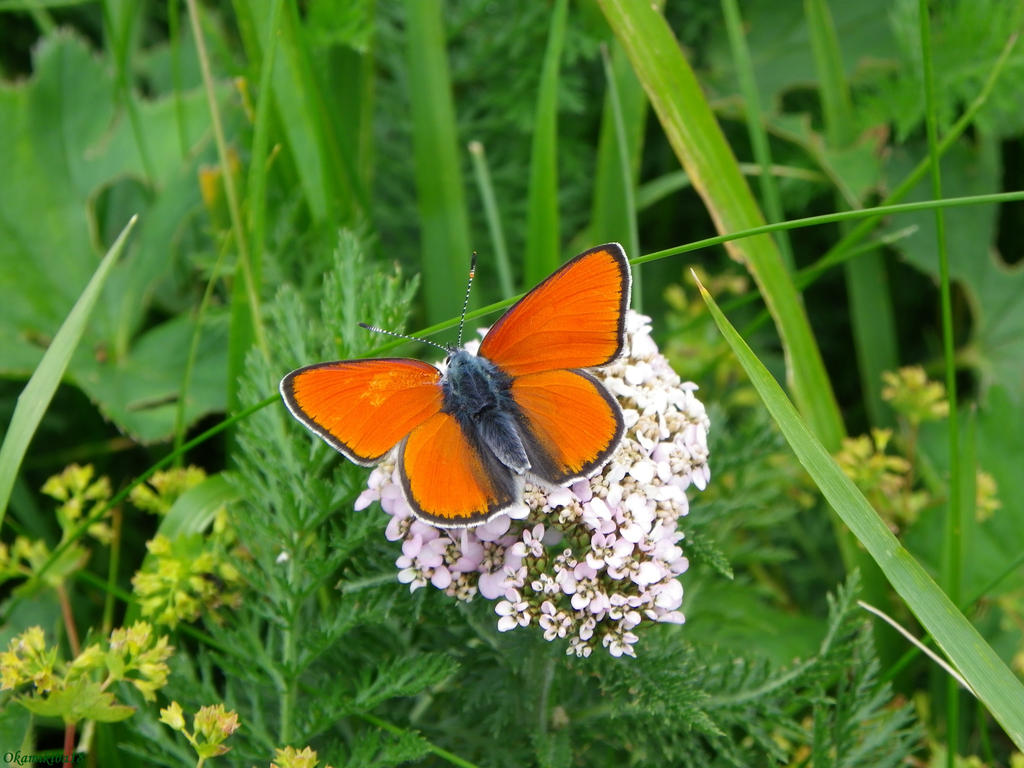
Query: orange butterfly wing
x,y
573,319
450,481
363,408
573,424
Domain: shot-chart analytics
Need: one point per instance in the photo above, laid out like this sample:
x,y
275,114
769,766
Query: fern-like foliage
x,y
302,660
711,709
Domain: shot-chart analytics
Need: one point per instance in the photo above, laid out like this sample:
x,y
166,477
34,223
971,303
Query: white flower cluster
x,y
593,561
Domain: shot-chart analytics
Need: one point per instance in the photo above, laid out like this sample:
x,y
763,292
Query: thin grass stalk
x,y
118,23
770,196
444,220
174,45
610,220
699,144
952,558
231,192
871,313
543,238
499,246
626,175
241,331
180,426
810,273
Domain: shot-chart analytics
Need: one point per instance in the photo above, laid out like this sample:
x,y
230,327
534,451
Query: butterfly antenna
x,y
386,332
465,301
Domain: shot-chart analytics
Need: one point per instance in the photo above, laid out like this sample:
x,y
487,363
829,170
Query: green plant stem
x,y
234,209
117,518
770,196
543,245
952,559
493,216
119,35
291,683
69,620
444,754
242,330
180,426
698,142
174,45
444,221
626,172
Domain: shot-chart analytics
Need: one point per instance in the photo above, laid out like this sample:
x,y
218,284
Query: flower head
x,y
592,562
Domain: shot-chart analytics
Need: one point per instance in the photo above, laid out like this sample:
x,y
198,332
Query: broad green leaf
x,y
194,510
70,152
992,681
781,50
83,699
995,349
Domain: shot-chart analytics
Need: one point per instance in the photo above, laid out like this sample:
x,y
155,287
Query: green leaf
x,y
995,350
73,159
194,510
992,681
83,699
781,50
140,391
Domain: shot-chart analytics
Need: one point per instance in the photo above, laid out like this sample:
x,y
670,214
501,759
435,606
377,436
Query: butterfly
x,y
524,405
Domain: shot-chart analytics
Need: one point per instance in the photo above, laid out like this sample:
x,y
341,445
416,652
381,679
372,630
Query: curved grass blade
x,y
700,145
444,221
543,242
993,682
35,398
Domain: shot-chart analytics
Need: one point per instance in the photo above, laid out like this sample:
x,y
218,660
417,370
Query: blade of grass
x,y
626,175
653,191
871,314
174,45
952,560
241,332
698,141
994,683
610,220
543,239
234,209
755,127
493,216
35,398
442,206
299,107
805,277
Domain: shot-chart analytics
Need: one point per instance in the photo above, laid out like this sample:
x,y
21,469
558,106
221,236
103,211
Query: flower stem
x,y
69,624
69,742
